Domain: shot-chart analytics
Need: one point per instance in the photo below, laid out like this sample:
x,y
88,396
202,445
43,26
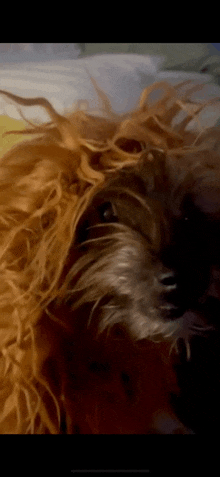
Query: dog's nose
x,y
169,280
172,299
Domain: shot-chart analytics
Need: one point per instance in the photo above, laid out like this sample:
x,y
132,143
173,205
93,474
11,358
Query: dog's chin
x,y
200,319
203,314
178,323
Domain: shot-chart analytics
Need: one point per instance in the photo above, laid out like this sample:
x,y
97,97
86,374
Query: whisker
x,y
113,225
201,329
92,311
99,239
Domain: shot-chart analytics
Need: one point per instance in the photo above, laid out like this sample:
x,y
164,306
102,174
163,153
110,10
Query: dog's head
x,y
145,247
109,222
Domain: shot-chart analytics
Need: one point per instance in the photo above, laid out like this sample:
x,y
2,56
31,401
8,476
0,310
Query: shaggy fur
x,y
106,225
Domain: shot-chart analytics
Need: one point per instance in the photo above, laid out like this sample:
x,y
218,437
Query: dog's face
x,y
144,248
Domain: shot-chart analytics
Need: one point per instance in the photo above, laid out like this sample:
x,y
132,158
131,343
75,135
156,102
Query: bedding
x,y
68,82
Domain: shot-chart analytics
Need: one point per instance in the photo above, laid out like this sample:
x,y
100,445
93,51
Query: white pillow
x,y
63,82
211,114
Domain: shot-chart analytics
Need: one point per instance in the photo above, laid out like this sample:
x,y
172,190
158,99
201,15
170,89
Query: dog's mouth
x,y
206,306
176,304
173,312
206,312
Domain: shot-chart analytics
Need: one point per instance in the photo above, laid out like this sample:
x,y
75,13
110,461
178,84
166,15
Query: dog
x,y
109,257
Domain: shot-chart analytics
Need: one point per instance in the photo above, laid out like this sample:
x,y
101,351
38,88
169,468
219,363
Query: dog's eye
x,y
130,145
103,213
107,212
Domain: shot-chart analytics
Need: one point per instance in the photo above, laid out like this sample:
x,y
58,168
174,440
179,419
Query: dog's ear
x,y
130,145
